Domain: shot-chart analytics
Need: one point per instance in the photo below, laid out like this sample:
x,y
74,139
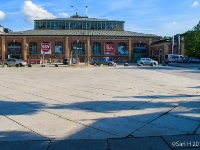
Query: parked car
x,y
173,58
146,61
14,62
191,60
102,61
65,61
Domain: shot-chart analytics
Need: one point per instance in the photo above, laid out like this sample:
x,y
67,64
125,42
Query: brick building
x,y
78,36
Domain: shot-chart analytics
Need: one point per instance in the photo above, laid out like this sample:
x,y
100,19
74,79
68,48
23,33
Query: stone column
x,y
88,49
149,49
24,49
3,48
129,48
67,50
182,47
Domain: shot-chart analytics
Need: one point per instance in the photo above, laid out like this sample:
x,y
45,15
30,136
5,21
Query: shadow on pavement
x,y
127,118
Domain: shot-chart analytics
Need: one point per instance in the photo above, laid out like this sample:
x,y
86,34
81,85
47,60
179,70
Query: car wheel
x,y
109,64
20,65
142,64
155,64
95,64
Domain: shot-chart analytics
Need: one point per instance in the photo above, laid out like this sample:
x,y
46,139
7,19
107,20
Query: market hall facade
x,y
78,36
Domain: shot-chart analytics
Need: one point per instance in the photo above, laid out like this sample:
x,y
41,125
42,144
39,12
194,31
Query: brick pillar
x,y
24,49
88,49
149,47
67,50
129,48
3,48
182,47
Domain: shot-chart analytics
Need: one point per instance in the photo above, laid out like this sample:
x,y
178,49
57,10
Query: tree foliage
x,y
166,37
192,42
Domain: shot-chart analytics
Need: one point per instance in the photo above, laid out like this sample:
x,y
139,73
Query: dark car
x,y
66,61
102,61
191,60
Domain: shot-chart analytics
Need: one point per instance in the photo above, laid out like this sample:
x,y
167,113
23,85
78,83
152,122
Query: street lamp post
x,y
43,65
77,59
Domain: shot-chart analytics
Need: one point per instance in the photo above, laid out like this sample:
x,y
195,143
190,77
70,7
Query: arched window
x,y
122,49
78,48
32,48
59,48
96,48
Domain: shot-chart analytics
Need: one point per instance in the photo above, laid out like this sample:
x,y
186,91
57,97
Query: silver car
x,y
146,61
14,62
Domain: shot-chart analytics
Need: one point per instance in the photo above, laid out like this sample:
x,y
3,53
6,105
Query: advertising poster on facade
x,y
122,50
45,48
109,49
58,50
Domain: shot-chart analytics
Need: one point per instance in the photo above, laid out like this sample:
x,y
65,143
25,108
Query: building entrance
x,y
14,50
139,51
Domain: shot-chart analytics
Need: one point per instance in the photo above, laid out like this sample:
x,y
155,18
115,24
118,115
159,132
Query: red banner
x,y
45,48
109,49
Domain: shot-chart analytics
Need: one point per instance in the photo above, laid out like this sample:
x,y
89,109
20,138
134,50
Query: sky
x,y
159,17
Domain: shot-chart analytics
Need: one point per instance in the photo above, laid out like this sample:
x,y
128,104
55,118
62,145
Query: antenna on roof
x,y
86,9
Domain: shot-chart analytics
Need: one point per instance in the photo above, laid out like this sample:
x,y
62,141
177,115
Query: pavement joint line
x,y
24,126
153,120
166,142
196,129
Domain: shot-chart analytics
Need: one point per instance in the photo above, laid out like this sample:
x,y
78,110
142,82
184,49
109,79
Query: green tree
x,y
192,42
166,37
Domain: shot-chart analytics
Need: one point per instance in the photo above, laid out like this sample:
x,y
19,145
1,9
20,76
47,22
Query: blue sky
x,y
160,17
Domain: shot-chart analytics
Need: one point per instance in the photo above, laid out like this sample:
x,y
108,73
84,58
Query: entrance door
x,y
138,53
14,50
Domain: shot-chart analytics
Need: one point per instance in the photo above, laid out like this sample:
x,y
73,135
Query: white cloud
x,y
174,23
2,15
194,4
30,12
63,14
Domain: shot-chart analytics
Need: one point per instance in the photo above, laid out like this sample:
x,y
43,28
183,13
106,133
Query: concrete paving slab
x,y
89,133
16,110
79,144
177,123
198,131
193,104
186,113
154,130
138,144
109,108
118,126
57,128
24,145
85,117
22,133
32,118
183,141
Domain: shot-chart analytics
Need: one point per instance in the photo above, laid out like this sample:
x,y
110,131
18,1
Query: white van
x,y
173,58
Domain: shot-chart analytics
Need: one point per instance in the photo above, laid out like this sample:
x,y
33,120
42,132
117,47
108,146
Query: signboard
x,y
109,49
122,50
45,48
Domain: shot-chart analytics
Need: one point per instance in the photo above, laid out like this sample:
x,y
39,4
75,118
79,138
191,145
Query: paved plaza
x,y
100,108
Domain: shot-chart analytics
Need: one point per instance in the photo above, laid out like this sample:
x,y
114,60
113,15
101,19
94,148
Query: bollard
x,y
29,65
126,64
